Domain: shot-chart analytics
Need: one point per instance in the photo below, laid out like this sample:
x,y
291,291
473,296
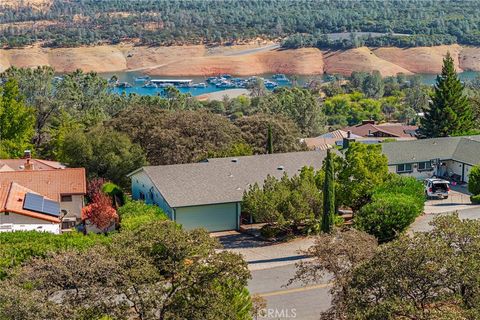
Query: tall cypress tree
x,y
328,194
269,140
450,111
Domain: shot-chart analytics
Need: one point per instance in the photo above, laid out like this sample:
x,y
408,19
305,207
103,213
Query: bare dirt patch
x,y
360,59
421,59
469,59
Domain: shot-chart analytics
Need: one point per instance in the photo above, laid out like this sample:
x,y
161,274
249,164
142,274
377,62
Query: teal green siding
x,y
215,217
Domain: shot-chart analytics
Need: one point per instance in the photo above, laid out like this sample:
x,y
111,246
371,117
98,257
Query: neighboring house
x,y
8,165
22,209
369,128
451,157
209,194
328,140
67,186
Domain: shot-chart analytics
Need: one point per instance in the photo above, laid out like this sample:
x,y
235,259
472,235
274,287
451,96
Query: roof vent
x,y
281,168
235,160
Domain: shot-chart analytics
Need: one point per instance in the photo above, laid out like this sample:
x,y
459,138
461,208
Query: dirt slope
x,y
469,59
421,59
300,61
360,59
241,60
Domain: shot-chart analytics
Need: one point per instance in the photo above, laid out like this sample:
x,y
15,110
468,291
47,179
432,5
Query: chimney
x,y
348,140
28,157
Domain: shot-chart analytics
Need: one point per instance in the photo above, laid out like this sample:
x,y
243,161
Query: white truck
x,y
437,188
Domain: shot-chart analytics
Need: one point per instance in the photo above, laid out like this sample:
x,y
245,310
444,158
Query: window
x,y
66,198
142,196
7,213
403,168
425,166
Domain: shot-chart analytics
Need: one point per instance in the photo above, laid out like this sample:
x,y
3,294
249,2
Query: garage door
x,y
218,217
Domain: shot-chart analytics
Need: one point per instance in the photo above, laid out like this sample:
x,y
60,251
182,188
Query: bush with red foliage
x,y
99,212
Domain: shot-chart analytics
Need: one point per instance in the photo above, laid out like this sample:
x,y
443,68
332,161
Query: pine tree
x,y
450,111
328,194
269,140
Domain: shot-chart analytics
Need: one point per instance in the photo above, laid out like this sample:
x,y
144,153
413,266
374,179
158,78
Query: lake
x,y
139,89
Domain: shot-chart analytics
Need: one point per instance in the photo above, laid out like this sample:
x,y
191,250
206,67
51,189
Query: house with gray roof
x,y
451,157
209,194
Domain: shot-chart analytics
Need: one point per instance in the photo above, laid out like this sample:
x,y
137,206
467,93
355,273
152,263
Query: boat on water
x,y
226,85
270,84
124,85
150,85
142,79
280,77
199,85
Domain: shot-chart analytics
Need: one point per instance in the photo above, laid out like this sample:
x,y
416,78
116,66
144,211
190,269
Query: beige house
x,y
450,157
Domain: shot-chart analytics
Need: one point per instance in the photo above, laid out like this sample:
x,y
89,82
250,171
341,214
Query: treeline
x,y
164,22
323,41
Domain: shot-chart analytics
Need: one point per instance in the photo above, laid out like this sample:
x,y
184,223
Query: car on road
x,y
437,188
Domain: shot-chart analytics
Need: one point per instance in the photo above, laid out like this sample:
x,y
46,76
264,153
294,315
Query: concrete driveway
x,y
458,199
263,254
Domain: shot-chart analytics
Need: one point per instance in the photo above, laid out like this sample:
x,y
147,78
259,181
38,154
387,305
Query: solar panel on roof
x,y
51,207
33,202
38,203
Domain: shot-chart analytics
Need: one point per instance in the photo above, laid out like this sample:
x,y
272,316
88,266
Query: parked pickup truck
x,y
437,188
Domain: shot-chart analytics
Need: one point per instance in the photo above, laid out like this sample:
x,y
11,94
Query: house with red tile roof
x,y
40,195
368,128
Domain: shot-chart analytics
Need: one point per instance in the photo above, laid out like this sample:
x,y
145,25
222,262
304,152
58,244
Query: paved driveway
x,y
263,254
457,200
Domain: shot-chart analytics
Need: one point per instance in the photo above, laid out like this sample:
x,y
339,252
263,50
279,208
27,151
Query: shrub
x,y
135,214
474,180
475,199
115,192
388,215
18,247
270,231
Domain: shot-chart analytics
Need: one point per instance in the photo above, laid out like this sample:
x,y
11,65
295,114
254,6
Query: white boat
x,y
199,85
142,79
150,85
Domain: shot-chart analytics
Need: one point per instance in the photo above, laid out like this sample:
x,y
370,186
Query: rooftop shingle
x,y
223,180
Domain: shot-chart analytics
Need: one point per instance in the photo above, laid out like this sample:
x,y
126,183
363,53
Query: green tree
x,y
474,180
388,215
437,272
161,272
450,110
285,203
38,87
298,104
269,140
170,137
16,121
328,194
363,168
285,133
103,152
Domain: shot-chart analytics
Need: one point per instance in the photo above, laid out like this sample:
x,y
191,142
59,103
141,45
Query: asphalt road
x,y
297,301
306,302
422,223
